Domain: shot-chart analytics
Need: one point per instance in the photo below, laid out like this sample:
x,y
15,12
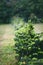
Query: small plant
x,y
27,45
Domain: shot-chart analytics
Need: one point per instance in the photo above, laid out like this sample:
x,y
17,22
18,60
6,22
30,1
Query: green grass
x,y
7,53
6,34
7,56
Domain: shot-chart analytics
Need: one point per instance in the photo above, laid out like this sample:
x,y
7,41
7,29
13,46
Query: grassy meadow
x,y
7,54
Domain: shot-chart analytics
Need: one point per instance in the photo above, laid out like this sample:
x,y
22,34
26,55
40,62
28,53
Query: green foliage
x,y
7,55
21,8
28,45
35,19
26,8
6,11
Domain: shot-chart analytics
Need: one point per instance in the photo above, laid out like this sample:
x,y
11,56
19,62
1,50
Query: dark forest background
x,y
26,9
